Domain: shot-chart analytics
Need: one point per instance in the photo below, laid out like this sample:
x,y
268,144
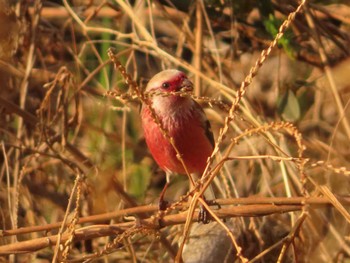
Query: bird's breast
x,y
185,126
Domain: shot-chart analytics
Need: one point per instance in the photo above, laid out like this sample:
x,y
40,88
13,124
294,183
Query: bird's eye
x,y
165,85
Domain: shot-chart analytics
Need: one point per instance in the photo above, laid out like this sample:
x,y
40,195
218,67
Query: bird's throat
x,y
174,107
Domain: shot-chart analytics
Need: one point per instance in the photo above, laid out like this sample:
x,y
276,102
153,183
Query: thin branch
x,y
94,231
147,209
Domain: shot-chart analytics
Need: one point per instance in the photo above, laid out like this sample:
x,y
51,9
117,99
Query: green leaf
x,y
272,25
139,179
288,106
105,37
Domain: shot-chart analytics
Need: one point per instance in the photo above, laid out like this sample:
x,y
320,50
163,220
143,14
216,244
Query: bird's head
x,y
167,81
160,92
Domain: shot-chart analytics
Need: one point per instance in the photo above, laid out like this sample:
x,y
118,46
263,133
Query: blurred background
x,y
59,123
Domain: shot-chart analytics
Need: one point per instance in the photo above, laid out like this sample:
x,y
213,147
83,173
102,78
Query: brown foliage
x,y
76,177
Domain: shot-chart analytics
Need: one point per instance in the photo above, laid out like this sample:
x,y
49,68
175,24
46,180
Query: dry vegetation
x,y
77,183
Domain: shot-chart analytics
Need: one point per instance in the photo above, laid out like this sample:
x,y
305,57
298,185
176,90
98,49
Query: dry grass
x,y
77,181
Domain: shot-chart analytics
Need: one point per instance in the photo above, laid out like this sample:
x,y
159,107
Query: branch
x,y
250,207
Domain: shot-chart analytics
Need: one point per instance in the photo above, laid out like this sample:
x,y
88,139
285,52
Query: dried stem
x,y
95,231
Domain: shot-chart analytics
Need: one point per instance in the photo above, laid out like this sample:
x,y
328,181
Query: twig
x,y
198,46
62,13
95,231
290,238
77,183
234,242
29,118
22,99
143,210
94,29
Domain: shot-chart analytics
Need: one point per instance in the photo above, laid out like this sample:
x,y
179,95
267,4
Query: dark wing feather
x,y
206,125
209,133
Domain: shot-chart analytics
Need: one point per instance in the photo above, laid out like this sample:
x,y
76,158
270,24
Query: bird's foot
x,y
163,204
203,215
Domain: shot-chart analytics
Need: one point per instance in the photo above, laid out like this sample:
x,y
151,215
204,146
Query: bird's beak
x,y
186,86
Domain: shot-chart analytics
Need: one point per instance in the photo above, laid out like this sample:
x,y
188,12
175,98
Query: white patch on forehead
x,y
161,77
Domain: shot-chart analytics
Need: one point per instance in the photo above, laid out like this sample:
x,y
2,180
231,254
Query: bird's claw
x,y
203,215
162,204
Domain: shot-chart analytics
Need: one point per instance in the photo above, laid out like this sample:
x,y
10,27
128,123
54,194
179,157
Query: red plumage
x,y
185,122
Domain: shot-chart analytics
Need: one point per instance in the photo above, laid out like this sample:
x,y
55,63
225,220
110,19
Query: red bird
x,y
185,121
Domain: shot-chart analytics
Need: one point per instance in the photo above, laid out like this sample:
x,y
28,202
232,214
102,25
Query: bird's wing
x,y
206,125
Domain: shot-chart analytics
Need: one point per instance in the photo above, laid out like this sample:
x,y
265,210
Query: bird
x,y
183,119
